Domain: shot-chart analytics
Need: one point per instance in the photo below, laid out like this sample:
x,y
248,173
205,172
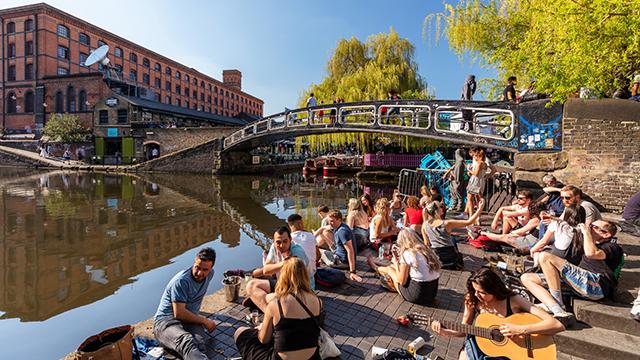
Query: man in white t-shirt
x,y
307,241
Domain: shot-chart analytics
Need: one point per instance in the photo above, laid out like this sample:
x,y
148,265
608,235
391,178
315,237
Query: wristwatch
x,y
352,271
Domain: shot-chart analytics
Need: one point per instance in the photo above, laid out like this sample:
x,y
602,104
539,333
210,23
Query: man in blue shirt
x,y
177,325
344,255
261,291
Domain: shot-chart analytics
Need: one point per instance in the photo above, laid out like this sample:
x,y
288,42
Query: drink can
x,y
415,345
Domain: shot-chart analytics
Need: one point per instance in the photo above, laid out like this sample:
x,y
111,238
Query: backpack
x,y
328,277
483,242
395,354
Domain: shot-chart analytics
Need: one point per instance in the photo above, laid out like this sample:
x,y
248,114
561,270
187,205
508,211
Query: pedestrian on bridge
x,y
469,88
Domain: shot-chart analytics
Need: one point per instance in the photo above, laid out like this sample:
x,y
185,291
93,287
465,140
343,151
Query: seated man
x,y
523,237
177,324
631,215
571,195
344,255
260,290
593,278
513,216
324,237
305,239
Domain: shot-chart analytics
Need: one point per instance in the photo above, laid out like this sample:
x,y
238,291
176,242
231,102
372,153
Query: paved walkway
x,y
36,160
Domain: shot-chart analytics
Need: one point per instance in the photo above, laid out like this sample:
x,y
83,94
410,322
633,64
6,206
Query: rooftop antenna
x,y
99,55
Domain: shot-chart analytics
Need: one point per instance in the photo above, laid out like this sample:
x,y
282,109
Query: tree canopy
x,y
65,128
359,71
562,45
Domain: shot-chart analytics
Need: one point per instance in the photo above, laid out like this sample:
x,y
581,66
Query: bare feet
x,y
372,263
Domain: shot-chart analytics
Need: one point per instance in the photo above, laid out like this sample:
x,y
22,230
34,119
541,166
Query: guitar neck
x,y
456,326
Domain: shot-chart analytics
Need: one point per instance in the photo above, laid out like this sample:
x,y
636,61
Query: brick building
x,y
43,54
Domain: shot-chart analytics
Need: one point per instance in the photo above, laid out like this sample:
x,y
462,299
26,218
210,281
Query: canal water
x,y
82,252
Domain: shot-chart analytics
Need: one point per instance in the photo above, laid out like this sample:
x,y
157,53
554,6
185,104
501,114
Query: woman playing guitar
x,y
486,293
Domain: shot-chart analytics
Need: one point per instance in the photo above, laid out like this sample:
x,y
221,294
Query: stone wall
x,y
176,139
199,159
601,152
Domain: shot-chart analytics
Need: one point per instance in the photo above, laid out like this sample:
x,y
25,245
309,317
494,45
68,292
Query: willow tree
x,y
563,45
359,71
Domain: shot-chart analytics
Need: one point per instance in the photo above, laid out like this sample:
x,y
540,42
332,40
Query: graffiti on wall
x,y
540,128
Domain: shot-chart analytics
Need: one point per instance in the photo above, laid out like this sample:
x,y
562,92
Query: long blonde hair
x,y
293,278
354,205
382,207
408,240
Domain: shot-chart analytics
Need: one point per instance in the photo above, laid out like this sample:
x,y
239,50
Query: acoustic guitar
x,y
486,329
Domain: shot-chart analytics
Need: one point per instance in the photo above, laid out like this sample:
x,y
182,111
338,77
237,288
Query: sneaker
x,y
566,318
635,310
544,307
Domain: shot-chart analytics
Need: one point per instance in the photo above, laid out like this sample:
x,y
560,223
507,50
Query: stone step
x,y
612,316
597,343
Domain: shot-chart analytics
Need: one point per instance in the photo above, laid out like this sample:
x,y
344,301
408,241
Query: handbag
x,y
326,346
111,344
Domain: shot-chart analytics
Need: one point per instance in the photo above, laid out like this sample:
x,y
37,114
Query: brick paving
x,y
361,315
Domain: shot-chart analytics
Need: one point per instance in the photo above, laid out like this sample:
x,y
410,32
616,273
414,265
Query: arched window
x,y
157,67
82,100
100,43
145,62
71,99
63,30
11,27
59,102
84,39
11,103
28,102
28,25
133,57
177,74
117,52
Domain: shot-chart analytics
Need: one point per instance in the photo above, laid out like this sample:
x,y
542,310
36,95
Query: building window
x,y
11,73
122,116
177,102
210,88
216,90
82,100
157,67
221,102
201,96
103,117
167,100
28,25
11,27
28,72
133,75
158,82
215,101
101,43
28,48
178,89
133,57
167,71
202,84
145,78
167,85
11,103
186,77
145,62
186,104
157,97
186,91
63,30
59,102
11,50
83,58
209,99
71,99
195,94
84,39
63,71
117,52
63,52
177,74
28,102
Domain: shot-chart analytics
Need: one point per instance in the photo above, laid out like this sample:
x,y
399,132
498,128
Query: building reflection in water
x,y
70,239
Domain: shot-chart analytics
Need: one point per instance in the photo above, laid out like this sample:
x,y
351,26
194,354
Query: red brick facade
x,y
43,49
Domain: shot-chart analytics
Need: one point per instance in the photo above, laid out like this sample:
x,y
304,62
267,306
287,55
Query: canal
x,y
82,252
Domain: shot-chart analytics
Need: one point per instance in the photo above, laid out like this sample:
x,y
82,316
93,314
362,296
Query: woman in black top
x,y
290,328
486,293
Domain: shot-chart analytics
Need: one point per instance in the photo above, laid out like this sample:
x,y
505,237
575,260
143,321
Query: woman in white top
x,y
475,187
358,221
414,269
382,226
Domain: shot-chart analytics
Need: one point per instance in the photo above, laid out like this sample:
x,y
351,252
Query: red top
x,y
413,215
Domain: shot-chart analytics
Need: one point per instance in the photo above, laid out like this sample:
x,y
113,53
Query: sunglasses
x,y
522,198
567,197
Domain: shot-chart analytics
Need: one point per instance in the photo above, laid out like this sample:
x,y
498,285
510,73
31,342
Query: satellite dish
x,y
98,55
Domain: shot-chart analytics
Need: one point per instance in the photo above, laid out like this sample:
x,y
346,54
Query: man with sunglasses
x,y
594,278
513,216
572,195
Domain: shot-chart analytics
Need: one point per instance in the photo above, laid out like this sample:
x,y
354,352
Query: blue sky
x,y
281,46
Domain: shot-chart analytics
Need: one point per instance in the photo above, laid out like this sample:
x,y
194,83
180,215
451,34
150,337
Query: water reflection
x,y
74,239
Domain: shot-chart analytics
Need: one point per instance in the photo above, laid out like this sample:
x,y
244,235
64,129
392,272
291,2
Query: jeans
x,y
187,340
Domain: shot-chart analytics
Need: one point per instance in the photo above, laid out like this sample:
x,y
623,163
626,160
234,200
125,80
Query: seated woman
x,y
561,238
358,221
414,269
290,328
486,293
324,237
436,233
397,205
382,226
523,237
367,205
413,214
425,196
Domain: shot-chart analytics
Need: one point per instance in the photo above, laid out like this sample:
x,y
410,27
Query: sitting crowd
x,y
574,249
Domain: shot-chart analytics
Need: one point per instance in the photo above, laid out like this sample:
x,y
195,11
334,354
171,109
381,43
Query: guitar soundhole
x,y
497,337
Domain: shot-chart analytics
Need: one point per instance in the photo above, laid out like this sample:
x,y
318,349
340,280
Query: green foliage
x,y
563,45
65,128
360,71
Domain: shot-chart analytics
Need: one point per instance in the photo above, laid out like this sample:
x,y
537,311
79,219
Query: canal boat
x,y
330,167
309,166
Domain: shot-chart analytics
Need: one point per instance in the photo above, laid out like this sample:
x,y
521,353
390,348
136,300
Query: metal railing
x,y
496,121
